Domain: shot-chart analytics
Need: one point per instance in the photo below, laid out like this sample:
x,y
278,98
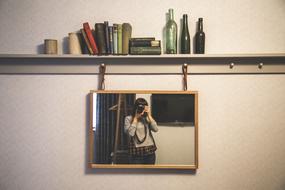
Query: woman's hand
x,y
149,117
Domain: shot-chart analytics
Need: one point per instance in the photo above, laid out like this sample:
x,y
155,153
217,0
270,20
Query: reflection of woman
x,y
139,126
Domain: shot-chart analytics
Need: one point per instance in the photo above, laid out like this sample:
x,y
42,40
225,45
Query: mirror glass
x,y
144,129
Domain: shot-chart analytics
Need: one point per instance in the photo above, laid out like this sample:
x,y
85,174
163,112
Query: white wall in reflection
x,y
175,144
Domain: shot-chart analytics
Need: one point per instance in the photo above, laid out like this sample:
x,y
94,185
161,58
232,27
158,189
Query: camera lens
x,y
140,108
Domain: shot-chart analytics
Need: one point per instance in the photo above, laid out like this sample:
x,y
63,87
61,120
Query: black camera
x,y
140,108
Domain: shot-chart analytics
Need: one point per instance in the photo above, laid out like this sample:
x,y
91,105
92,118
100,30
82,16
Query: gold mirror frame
x,y
158,166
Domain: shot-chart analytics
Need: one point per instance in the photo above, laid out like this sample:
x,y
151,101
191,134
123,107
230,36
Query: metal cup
x,y
50,46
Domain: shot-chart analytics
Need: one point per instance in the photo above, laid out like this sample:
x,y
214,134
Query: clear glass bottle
x,y
200,38
185,36
171,34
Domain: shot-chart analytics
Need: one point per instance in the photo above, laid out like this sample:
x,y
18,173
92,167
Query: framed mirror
x,y
143,129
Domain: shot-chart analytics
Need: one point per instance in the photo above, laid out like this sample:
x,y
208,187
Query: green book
x,y
115,38
126,33
120,39
144,43
145,50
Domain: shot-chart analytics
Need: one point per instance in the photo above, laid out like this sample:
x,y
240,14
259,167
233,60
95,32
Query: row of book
x,y
144,46
116,40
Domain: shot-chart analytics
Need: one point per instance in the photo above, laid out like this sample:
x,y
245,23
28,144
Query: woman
x,y
139,126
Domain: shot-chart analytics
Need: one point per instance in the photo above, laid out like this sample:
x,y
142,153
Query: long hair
x,y
139,103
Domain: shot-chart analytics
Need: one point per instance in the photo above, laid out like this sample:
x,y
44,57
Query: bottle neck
x,y
185,20
171,14
200,25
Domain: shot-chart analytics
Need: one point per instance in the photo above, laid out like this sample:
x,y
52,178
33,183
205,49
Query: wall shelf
x,y
130,64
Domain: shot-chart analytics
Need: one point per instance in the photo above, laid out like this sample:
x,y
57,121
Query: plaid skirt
x,y
140,151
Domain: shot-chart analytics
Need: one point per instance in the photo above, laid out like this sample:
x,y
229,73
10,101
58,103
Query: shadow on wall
x,y
41,49
90,171
65,45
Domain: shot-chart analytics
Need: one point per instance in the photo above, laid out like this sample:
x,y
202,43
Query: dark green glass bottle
x,y
171,34
200,38
185,36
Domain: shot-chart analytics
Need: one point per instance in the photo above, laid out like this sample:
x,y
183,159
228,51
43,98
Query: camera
x,y
140,110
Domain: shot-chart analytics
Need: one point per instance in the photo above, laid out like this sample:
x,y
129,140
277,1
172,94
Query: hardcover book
x,y
144,43
107,40
127,33
145,50
82,42
90,37
143,39
86,41
120,38
100,37
111,39
115,38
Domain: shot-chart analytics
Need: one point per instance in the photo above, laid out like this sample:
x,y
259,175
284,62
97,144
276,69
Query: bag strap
x,y
145,132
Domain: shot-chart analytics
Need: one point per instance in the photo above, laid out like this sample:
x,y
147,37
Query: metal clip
x,y
185,72
102,71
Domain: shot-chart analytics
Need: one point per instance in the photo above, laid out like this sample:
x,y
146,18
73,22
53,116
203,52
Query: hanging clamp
x,y
102,71
185,72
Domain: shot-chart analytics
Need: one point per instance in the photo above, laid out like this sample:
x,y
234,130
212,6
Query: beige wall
x,y
175,145
231,26
44,119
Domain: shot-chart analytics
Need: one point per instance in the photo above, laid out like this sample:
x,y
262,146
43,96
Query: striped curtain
x,y
107,106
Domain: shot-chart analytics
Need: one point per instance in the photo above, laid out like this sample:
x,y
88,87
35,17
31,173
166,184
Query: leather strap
x,y
102,72
185,72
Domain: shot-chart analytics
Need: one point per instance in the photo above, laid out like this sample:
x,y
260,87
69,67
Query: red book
x,y
90,37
